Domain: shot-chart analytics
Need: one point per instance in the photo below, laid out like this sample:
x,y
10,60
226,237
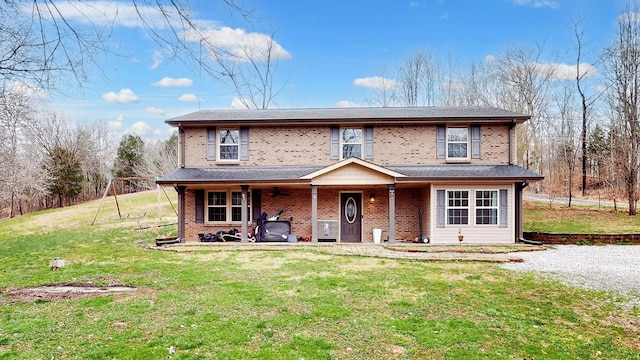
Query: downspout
x,y
511,127
519,233
181,146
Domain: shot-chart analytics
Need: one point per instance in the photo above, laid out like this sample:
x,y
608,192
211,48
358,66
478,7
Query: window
x,y
487,207
226,206
458,207
351,142
457,143
228,142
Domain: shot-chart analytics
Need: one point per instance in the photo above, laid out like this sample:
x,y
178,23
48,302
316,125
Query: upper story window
x,y
228,144
457,143
351,142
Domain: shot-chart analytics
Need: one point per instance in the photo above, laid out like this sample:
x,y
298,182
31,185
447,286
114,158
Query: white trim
x,y
447,142
228,206
349,161
219,144
342,143
476,207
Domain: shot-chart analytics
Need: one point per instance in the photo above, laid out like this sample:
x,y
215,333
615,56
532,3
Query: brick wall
x,y
305,145
297,208
566,239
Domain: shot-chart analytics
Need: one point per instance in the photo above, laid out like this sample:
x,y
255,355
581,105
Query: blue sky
x,y
326,46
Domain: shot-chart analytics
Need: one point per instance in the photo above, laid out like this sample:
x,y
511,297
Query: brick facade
x,y
297,145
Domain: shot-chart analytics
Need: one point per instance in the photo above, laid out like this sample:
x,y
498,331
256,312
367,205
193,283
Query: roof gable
x,y
353,171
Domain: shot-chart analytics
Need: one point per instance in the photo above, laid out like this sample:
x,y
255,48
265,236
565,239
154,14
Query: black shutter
x,y
199,194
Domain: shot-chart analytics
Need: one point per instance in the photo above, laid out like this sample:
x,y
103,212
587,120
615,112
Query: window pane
x,y
236,213
457,150
352,136
217,198
236,198
351,151
229,136
218,214
228,152
457,134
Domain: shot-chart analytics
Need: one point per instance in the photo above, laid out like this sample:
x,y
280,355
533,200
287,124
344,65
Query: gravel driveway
x,y
611,268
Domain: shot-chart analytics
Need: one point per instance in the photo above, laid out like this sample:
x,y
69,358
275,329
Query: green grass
x,y
577,220
292,304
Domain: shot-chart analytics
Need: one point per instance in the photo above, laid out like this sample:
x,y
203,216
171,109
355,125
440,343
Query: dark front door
x,y
350,217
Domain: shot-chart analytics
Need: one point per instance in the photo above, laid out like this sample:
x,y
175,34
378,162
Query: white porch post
x,y
392,214
314,213
244,214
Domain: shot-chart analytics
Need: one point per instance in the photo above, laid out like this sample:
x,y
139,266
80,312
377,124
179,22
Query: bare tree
x,y
527,81
419,78
623,71
587,103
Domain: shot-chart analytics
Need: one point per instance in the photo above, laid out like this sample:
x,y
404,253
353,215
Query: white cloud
x,y
25,90
237,103
346,104
189,98
117,123
599,88
124,96
375,82
489,59
154,110
157,59
240,45
171,82
560,71
140,128
538,3
109,13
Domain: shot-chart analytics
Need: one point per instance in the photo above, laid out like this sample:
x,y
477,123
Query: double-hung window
x,y
226,206
457,143
458,207
351,142
487,207
228,144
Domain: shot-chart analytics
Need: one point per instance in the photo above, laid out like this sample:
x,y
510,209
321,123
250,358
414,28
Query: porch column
x,y
314,213
392,214
181,190
244,215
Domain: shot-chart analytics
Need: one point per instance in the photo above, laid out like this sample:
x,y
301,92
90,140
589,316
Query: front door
x,y
351,217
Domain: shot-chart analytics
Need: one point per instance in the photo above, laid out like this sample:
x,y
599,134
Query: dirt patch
x,y
65,292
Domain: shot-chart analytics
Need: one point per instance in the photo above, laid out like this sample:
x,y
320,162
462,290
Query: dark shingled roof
x,y
294,173
369,114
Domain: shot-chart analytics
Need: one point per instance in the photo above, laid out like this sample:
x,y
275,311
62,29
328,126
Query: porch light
x,y
372,198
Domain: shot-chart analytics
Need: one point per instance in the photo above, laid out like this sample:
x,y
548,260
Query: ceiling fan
x,y
277,192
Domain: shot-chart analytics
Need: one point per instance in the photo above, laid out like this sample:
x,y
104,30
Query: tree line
x,y
46,161
584,132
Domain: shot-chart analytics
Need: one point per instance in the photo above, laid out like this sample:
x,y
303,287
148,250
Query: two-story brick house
x,y
421,172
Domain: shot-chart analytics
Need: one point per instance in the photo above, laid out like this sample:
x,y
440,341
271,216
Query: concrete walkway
x,y
408,251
